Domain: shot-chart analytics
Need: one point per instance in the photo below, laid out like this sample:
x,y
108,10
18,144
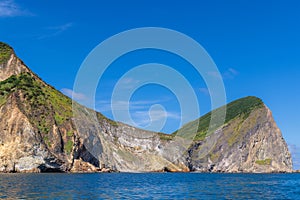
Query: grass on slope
x,y
264,162
45,104
5,52
42,103
241,107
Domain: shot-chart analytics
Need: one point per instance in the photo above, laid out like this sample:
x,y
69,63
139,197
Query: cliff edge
x,y
40,131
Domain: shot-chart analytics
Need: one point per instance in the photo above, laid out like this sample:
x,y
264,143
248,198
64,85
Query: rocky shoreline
x,y
42,130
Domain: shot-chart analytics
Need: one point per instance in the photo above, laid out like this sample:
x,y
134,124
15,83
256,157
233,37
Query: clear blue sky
x,y
255,44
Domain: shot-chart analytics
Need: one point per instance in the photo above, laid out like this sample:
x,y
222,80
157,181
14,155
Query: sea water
x,y
150,186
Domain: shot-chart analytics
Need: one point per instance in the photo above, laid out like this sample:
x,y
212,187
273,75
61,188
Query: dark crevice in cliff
x,y
44,169
82,153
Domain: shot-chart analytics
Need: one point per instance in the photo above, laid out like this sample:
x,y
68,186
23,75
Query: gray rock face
x,y
45,134
121,147
244,144
21,149
254,144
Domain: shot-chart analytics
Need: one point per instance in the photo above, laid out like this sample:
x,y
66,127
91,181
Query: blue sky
x,y
255,45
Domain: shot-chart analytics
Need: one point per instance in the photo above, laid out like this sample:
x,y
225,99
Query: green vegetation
x,y
46,140
31,89
61,105
44,105
58,119
44,102
101,117
264,162
164,136
68,146
236,133
47,106
214,156
70,133
242,107
239,108
5,52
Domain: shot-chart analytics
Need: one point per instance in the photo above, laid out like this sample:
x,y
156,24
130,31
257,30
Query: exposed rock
x,y
81,166
254,144
40,132
20,146
12,66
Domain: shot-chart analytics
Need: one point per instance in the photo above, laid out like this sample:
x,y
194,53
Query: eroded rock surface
x,y
254,144
40,132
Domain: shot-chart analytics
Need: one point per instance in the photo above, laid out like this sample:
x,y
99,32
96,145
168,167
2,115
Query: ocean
x,y
149,186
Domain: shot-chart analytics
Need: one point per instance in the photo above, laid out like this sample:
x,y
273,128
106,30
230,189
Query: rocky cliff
x,y
248,142
41,131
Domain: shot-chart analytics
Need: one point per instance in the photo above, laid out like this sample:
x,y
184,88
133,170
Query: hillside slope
x,y
41,132
249,141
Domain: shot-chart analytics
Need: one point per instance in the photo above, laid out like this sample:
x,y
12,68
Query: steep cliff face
x,y
9,63
40,131
244,144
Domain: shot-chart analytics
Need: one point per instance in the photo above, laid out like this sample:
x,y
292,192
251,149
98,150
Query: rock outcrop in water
x,y
251,143
41,132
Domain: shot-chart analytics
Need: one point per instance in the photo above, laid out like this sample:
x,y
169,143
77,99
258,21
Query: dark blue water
x,y
150,186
